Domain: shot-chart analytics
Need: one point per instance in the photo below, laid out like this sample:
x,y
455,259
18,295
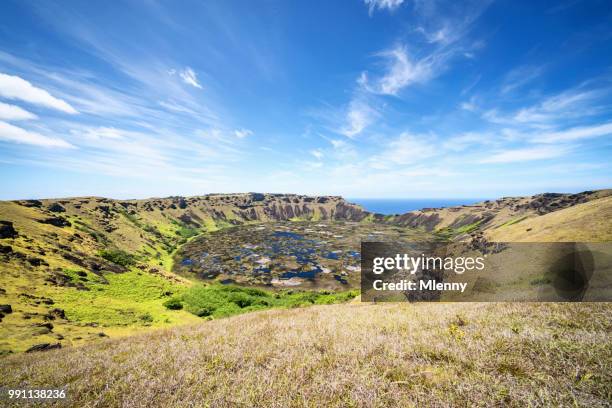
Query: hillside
x,y
345,355
586,222
459,221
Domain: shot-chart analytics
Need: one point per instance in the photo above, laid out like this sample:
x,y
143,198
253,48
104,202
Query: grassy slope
x,y
586,222
346,355
458,221
116,304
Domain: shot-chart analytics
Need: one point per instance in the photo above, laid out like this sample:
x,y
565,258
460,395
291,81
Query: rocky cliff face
x,y
232,208
195,211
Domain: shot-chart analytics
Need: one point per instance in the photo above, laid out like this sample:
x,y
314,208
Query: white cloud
x,y
190,77
576,133
318,153
100,133
242,133
573,103
359,116
382,4
175,107
465,140
405,149
519,77
402,71
16,134
443,35
470,105
14,87
342,150
526,154
12,112
310,165
337,143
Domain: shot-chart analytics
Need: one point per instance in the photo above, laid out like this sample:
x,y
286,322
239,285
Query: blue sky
x,y
375,98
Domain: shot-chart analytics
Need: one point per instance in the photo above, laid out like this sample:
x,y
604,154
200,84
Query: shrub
x,y
173,304
227,300
118,257
146,317
205,311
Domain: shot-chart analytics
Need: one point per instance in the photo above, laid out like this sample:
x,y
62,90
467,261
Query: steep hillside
x,y
587,222
459,221
364,355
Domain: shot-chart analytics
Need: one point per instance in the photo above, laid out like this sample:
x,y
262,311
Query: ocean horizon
x,y
389,206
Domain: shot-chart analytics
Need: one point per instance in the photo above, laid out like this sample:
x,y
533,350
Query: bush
x,y
173,304
118,257
242,300
205,311
146,317
227,300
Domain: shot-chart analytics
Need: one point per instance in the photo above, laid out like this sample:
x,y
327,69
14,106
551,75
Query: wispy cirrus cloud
x,y
190,77
12,112
574,103
406,149
442,35
175,107
242,133
97,133
382,5
575,134
15,134
14,87
526,154
520,76
402,71
317,153
444,29
358,116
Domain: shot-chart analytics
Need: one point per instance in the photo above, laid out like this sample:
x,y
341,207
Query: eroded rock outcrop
x,y
7,230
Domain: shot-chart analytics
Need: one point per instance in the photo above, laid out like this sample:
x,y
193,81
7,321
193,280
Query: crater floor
x,y
286,254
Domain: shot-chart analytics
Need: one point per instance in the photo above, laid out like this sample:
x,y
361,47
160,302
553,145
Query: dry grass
x,y
587,222
346,355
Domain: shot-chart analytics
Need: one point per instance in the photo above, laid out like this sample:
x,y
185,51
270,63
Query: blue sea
x,y
402,205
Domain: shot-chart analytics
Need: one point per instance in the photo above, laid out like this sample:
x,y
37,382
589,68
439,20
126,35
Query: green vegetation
x,y
512,222
466,229
96,235
173,304
77,275
130,298
119,257
132,218
369,219
448,233
227,300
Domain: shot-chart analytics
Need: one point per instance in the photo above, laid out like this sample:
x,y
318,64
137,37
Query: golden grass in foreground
x,y
346,355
